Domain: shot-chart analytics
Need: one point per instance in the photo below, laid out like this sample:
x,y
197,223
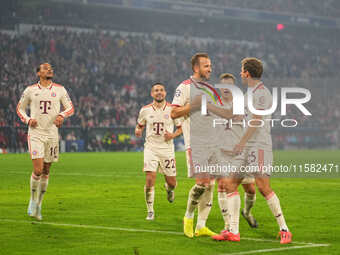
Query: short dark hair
x,y
157,83
254,66
196,58
227,76
38,69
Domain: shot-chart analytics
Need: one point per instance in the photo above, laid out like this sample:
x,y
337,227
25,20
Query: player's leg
x,y
170,185
151,163
263,184
149,192
233,204
222,201
204,207
42,188
249,201
36,149
195,193
265,158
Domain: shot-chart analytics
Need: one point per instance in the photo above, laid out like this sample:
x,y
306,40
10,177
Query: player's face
x,y
225,93
244,76
204,68
158,93
46,71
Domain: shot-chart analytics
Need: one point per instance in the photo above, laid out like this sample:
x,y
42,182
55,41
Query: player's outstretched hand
x,y
168,136
32,122
59,121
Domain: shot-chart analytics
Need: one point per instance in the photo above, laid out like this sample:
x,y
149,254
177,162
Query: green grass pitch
x,y
95,205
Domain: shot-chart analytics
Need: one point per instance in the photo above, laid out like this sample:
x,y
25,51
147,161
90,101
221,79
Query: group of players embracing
x,y
220,147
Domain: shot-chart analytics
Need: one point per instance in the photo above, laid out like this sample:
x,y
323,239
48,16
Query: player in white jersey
x,y
201,194
229,134
44,100
159,150
256,145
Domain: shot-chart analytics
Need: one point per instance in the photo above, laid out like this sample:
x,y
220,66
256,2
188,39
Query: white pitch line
x,y
276,249
136,230
120,175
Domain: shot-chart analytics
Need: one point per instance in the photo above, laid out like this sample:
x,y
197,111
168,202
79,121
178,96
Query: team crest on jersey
x,y
151,116
166,116
53,94
37,94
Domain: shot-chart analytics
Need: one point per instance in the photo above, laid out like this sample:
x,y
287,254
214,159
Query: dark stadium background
x,y
107,53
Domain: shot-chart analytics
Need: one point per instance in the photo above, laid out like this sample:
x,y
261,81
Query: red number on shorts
x,y
252,157
168,162
54,151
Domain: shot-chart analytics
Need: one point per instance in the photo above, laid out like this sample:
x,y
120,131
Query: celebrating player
x,y
44,100
159,151
256,146
201,194
229,135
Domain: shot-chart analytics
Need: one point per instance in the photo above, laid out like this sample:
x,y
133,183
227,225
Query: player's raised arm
x,y
21,109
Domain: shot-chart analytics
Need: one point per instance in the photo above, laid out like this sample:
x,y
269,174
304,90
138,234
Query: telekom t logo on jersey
x,y
157,127
238,100
45,105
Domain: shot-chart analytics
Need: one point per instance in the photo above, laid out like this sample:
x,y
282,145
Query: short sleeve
x,y
141,121
180,96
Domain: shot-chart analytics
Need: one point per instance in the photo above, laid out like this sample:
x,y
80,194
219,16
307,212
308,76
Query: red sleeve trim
x,y
176,105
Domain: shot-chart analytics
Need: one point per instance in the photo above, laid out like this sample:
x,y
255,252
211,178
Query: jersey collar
x,y
163,108
48,87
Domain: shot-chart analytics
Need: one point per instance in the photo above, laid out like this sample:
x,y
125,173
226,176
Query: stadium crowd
x,y
327,8
109,76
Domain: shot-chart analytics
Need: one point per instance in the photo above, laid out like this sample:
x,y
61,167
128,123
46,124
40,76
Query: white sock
x,y
43,188
234,204
249,201
222,201
34,187
149,197
195,194
204,206
274,205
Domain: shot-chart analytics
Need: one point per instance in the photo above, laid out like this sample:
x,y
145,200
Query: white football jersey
x,y
44,104
157,121
182,97
262,100
197,128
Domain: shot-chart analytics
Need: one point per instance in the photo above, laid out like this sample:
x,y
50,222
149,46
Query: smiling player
x,y
159,151
44,100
